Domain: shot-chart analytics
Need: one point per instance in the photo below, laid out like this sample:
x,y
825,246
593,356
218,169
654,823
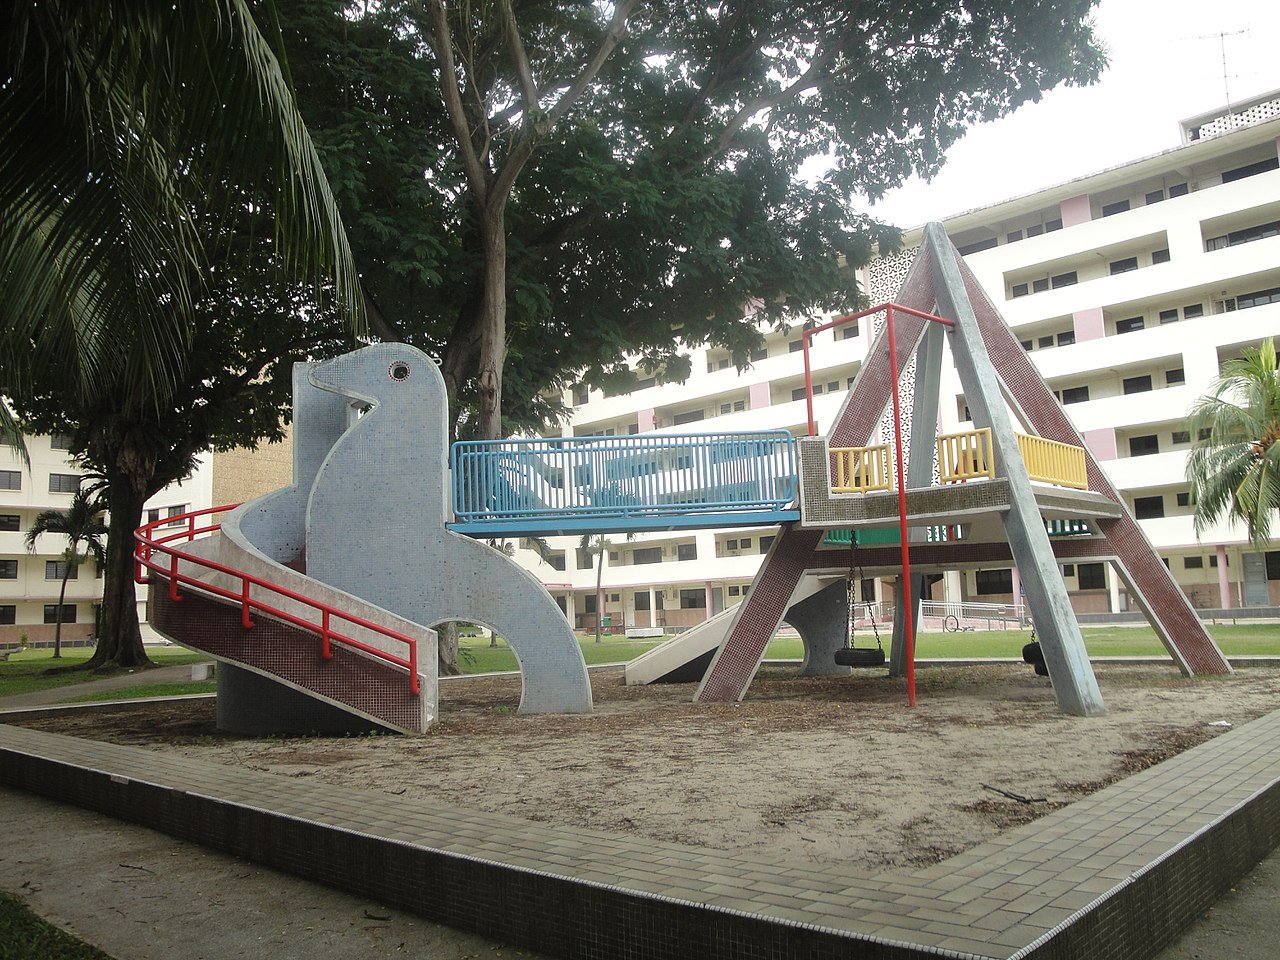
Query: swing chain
x,y
854,584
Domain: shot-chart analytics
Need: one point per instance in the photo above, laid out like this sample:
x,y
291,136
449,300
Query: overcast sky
x,y
1166,65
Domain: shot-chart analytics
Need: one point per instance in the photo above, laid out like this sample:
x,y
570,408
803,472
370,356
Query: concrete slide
x,y
685,658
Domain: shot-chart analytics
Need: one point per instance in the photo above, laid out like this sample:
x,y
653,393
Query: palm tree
x,y
81,524
135,140
1234,467
597,545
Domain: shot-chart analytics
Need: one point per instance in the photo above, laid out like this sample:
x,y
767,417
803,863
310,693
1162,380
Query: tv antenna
x,y
1221,37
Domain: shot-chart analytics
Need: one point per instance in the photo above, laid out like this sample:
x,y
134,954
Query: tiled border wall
x,y
1149,911
553,915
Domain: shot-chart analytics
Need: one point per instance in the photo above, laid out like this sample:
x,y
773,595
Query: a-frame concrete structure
x,y
997,377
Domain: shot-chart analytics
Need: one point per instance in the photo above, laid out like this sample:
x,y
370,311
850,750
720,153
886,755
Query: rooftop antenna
x,y
1221,37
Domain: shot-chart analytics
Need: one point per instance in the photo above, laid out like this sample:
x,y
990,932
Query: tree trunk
x,y
492,323
599,587
447,655
119,636
57,619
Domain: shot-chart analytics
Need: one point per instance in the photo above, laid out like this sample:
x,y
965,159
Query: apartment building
x,y
30,580
1128,288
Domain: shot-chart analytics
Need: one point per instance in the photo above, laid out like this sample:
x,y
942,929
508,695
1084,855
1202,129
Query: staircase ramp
x,y
211,592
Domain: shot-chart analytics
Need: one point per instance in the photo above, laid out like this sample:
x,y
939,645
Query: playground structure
x,y
320,598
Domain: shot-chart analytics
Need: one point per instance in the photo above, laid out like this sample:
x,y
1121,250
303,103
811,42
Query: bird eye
x,y
399,371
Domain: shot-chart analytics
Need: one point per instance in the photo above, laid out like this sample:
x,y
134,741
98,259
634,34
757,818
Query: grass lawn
x,y
24,936
150,690
24,672
1242,640
476,656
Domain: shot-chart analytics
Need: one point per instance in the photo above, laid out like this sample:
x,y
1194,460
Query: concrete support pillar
x,y
1224,577
1113,589
953,586
822,621
653,607
710,602
1017,589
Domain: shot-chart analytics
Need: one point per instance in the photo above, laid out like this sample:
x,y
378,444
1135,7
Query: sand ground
x,y
804,769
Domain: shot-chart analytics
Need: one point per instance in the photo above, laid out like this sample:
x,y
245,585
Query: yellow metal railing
x,y
1053,462
860,469
965,456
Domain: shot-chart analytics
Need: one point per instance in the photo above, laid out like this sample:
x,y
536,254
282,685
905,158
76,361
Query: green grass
x,y
150,690
24,672
24,936
476,656
1235,641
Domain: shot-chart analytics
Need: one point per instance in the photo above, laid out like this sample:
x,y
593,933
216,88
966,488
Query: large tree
x,y
164,220
1234,467
538,188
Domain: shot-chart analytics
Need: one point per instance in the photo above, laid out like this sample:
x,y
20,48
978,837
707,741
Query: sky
x,y
1166,65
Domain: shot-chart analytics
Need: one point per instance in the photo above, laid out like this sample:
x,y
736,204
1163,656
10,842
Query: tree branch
x,y
442,42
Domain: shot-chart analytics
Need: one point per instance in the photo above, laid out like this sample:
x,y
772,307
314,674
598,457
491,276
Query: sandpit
x,y
826,770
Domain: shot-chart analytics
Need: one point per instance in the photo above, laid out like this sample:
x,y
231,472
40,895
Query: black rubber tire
x,y
1032,653
860,657
951,624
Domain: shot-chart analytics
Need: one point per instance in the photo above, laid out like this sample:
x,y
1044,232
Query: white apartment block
x,y
30,581
1128,288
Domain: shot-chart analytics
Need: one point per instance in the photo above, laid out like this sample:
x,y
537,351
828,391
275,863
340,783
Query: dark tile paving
x,y
1115,874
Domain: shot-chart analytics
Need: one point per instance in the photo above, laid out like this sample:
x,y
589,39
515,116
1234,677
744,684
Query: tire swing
x,y
1033,654
851,655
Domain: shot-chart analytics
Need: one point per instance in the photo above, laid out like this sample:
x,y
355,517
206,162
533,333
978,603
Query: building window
x,y
10,480
1169,316
735,591
1111,209
993,581
1175,376
693,600
1075,395
736,407
8,569
1184,499
1027,344
56,569
1013,236
795,346
1250,170
589,603
1035,230
646,555
798,394
1068,569
977,247
8,613
1160,256
1053,225
642,601
1257,299
1155,196
1091,576
1020,290
60,441
1178,190
1140,384
766,543
1040,286
1272,559
1148,508
686,551
1064,280
849,331
10,522
1067,338
64,482
1130,325
1045,342
51,613
1193,310
689,416
731,544
1247,235
1124,266
1144,446
1181,436
761,354
579,396
1193,563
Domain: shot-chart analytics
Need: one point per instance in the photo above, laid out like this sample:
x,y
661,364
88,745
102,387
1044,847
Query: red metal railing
x,y
148,544
888,308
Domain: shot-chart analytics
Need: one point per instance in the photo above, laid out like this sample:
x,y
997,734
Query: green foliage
x,y
653,200
166,231
1234,467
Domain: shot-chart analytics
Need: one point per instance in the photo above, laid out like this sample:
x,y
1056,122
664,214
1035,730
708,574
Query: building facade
x,y
1128,288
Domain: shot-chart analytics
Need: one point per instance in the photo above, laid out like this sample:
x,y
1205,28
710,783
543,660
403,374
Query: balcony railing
x,y
860,469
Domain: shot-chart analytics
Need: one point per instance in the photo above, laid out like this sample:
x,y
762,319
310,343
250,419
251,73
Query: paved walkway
x,y
1079,882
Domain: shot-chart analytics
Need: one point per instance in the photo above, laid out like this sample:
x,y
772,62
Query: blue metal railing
x,y
633,476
